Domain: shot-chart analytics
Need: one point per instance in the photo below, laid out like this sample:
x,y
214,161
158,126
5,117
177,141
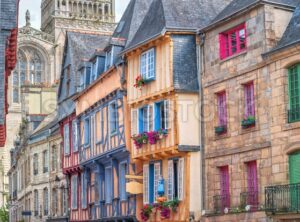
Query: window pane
x,y
242,36
233,42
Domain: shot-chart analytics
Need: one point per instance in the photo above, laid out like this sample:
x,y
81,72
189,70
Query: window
x,y
222,109
75,136
122,179
252,197
224,186
35,164
108,185
249,100
19,77
88,76
64,200
67,139
151,175
162,115
175,179
36,203
294,172
87,131
46,202
54,158
74,190
294,97
84,191
95,69
146,119
54,201
45,161
35,69
134,122
68,79
233,41
147,64
113,117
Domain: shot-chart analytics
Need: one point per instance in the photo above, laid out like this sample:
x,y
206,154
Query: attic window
x,y
233,41
120,26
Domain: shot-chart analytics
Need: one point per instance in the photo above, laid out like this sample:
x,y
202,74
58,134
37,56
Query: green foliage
x,y
4,215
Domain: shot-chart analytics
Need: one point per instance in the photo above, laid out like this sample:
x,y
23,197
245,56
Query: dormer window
x,y
147,64
233,41
95,70
109,58
85,77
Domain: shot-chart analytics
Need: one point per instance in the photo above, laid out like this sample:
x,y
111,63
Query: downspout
x,y
200,59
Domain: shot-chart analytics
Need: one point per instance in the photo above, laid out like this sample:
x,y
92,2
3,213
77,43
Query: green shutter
x,y
294,163
294,97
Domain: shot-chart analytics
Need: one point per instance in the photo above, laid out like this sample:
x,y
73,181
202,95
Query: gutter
x,y
273,51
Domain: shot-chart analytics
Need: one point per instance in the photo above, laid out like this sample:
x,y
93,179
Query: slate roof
x,y
164,15
79,46
132,19
291,35
239,5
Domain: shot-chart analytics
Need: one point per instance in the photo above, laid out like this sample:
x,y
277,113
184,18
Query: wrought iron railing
x,y
282,198
294,114
221,202
250,199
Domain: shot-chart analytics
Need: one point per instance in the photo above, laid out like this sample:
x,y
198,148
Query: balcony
x,y
283,199
221,202
294,115
249,199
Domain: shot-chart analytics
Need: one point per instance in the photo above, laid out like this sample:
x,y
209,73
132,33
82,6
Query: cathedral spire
x,y
27,17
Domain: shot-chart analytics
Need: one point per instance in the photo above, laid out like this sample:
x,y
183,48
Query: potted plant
x,y
248,122
140,139
139,82
220,130
146,212
153,137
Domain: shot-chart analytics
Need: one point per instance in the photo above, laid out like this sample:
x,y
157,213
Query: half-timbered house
x,y
102,119
78,46
163,97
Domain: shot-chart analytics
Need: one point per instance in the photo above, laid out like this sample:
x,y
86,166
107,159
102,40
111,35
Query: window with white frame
x,y
161,115
113,117
151,175
54,158
35,164
46,202
175,179
66,139
54,201
36,203
87,129
147,64
146,119
75,136
45,161
74,190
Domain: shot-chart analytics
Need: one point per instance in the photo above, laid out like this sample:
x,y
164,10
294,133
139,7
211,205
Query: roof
x,y
78,46
132,19
239,5
185,15
291,35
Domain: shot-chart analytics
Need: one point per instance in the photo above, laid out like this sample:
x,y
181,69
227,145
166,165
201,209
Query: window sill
x,y
67,155
149,80
291,126
222,136
75,152
233,56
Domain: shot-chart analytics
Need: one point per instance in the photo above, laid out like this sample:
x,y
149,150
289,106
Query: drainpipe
x,y
200,59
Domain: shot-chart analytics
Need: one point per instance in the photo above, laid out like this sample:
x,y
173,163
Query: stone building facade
x,y
33,85
243,99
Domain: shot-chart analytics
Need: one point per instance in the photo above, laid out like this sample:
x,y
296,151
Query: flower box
x,y
139,82
220,130
149,137
248,122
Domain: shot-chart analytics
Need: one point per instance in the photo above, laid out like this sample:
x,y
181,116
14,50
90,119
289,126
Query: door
x,y
294,170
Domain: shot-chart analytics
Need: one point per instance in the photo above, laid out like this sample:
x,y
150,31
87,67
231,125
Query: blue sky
x,y
35,11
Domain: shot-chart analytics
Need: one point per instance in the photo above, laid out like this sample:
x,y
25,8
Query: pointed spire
x,y
27,18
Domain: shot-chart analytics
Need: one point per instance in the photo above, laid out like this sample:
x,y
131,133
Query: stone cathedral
x,y
32,85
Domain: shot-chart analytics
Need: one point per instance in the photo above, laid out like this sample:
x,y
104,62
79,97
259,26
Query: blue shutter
x,y
157,117
108,185
151,183
84,190
122,179
141,122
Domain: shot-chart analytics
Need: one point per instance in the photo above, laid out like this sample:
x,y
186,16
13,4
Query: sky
x,y
35,11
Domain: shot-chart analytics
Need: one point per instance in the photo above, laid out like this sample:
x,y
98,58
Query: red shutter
x,y
223,42
249,100
222,109
224,184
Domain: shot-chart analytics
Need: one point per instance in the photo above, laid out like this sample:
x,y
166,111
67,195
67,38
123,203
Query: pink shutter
x,y
222,109
249,100
252,197
224,180
252,99
223,45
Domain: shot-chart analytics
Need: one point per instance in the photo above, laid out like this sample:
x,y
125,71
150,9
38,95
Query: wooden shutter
x,y
74,187
67,139
181,179
146,183
134,122
249,100
170,182
74,136
157,174
84,190
222,112
224,184
252,176
108,185
294,163
223,42
167,114
92,133
150,118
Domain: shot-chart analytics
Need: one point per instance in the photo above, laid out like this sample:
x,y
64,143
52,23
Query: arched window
x,y
19,77
54,201
35,69
36,203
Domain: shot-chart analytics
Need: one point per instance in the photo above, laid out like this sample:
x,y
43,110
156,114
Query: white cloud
x,y
34,7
